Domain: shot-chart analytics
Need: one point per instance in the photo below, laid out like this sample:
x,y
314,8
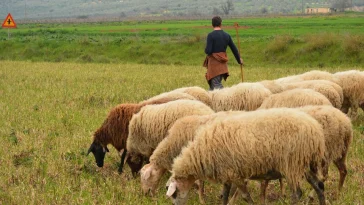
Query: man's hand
x,y
242,62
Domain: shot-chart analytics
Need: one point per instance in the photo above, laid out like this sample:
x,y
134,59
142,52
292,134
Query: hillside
x,y
48,9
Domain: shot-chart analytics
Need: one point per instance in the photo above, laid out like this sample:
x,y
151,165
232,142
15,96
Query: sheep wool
x,y
196,92
353,89
150,125
330,90
295,98
171,95
182,131
238,147
114,129
243,96
338,134
337,127
273,86
310,75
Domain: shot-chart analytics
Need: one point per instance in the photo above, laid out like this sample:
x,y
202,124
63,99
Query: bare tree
x,y
216,11
227,7
341,5
264,10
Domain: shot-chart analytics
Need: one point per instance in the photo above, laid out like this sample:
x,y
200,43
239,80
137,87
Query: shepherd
x,y
216,59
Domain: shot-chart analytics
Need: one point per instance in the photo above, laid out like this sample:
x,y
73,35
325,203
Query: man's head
x,y
216,21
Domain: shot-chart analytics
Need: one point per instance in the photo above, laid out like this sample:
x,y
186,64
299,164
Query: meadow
x,y
297,41
59,81
49,112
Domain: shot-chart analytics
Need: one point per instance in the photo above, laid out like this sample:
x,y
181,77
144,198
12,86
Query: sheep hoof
x,y
310,199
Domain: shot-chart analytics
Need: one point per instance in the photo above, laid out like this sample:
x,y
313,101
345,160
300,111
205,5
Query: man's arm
x,y
234,50
209,43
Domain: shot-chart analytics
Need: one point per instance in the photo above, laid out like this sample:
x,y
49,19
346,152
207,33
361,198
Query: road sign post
x,y
9,23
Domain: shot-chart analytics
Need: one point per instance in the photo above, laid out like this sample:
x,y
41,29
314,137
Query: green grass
x,y
323,40
49,112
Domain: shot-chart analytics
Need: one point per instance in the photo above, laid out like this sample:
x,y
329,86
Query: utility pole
x,y
25,10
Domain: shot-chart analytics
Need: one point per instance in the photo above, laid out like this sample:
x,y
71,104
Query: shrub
x,y
279,44
353,44
319,42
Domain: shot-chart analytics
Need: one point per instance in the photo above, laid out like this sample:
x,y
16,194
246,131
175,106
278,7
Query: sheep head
x,y
99,151
150,176
135,162
178,189
362,105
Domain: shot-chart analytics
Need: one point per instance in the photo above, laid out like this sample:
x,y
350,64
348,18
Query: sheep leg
x,y
245,193
325,174
317,185
354,109
299,192
234,197
263,189
341,166
345,107
201,191
296,193
225,193
362,106
282,187
120,170
294,197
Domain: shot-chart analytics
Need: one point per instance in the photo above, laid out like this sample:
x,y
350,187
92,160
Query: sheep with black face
x,y
115,130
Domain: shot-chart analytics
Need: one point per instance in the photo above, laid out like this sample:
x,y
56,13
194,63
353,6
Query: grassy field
x,y
49,112
309,41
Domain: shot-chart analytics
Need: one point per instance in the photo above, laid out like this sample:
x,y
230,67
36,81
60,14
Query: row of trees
x,y
228,6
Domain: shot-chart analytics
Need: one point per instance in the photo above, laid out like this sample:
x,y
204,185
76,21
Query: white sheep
x,y
273,86
171,95
352,83
295,98
196,92
243,96
332,91
249,146
338,133
310,75
182,131
150,125
187,93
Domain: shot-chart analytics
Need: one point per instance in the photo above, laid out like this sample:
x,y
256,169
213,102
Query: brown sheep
x,y
115,129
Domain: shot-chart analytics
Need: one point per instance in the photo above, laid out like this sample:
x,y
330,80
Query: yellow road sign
x,y
9,22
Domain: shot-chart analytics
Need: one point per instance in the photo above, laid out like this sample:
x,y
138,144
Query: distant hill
x,y
51,9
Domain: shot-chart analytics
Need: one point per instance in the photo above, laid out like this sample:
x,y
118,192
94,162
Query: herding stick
x,y
236,25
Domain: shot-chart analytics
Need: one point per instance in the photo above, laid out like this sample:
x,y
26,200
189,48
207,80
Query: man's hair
x,y
216,21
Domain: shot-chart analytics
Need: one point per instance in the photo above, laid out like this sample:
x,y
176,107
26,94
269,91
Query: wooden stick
x,y
236,25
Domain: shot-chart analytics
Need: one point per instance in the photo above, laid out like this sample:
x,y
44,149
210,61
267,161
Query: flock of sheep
x,y
292,128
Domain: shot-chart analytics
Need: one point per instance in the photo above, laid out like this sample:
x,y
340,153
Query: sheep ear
x,y
146,174
171,189
90,149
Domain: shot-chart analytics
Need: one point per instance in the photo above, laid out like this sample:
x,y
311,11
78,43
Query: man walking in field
x,y
216,59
